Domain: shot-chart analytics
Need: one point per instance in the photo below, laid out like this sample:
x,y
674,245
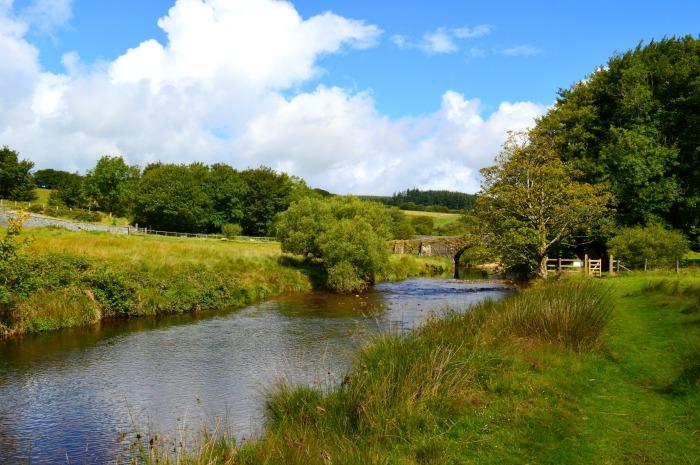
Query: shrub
x,y
88,216
231,230
343,278
651,244
423,225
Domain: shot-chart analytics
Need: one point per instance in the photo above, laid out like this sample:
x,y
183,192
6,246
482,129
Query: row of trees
x,y
428,200
186,198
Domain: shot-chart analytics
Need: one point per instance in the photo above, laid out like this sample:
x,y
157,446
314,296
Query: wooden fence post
x,y
678,267
611,267
586,265
645,264
559,265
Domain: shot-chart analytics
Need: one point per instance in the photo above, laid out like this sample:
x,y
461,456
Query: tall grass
x,y
573,312
68,279
403,393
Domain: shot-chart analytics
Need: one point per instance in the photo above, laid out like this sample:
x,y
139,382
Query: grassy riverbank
x,y
66,279
596,372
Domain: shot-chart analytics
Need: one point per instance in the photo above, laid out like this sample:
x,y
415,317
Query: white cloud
x,y
442,40
47,15
471,33
213,92
521,51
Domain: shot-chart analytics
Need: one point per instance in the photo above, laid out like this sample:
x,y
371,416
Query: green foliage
x,y
16,181
173,198
227,191
268,194
531,201
50,178
69,191
423,225
654,245
339,230
344,278
231,230
635,125
354,242
109,185
401,225
428,200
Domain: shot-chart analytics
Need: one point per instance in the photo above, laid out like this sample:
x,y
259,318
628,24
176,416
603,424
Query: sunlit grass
x,y
439,219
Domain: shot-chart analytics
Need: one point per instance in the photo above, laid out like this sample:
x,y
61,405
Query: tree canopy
x,y
349,235
531,201
634,124
16,181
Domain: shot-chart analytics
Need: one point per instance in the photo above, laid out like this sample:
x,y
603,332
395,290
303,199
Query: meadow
x,y
64,279
573,371
439,219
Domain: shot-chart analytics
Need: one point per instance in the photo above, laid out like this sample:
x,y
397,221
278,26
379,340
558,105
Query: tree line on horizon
x,y
427,200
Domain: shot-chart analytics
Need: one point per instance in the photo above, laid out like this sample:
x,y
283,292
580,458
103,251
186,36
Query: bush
x,y
343,278
87,216
651,244
423,225
231,230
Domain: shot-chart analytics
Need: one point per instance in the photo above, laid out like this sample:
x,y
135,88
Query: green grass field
x,y
603,372
439,219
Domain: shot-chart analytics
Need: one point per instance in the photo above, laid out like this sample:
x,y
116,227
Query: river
x,y
70,396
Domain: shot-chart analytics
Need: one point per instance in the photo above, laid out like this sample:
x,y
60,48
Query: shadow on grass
x,y
312,268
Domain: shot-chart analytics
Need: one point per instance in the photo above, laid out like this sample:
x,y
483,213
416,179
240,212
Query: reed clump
x,y
573,312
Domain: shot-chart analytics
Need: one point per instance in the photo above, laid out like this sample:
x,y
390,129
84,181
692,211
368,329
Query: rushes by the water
x,y
573,312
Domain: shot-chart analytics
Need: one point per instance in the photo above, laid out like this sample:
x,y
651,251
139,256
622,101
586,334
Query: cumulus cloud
x,y
442,40
221,88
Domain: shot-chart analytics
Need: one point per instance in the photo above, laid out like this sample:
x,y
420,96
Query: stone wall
x,y
41,221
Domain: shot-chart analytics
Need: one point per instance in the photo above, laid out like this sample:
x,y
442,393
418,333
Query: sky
x,y
359,96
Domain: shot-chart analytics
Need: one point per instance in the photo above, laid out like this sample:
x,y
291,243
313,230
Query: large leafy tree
x,y
531,201
50,178
16,181
268,193
635,125
109,185
173,198
227,191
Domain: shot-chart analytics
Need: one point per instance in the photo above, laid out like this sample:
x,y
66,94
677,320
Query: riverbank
x,y
66,279
575,372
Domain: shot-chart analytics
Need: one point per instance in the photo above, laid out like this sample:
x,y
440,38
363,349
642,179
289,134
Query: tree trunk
x,y
542,266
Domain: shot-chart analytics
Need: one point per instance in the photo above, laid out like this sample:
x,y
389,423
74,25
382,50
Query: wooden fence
x,y
586,266
146,231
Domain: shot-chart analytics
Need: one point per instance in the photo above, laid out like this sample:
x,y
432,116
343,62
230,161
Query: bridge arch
x,y
438,246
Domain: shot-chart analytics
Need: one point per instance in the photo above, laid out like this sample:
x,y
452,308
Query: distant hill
x,y
428,200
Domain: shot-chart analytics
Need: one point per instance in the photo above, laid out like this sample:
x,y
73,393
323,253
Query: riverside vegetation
x,y
570,371
52,278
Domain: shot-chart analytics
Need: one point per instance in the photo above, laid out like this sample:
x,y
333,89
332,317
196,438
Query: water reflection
x,y
66,396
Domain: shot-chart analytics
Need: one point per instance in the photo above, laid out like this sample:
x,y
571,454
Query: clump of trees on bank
x,y
348,236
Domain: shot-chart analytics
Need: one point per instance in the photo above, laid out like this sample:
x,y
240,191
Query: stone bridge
x,y
437,246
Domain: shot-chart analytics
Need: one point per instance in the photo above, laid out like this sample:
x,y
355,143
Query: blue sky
x,y
424,103
571,39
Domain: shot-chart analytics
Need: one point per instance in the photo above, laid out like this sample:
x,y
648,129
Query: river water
x,y
70,396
